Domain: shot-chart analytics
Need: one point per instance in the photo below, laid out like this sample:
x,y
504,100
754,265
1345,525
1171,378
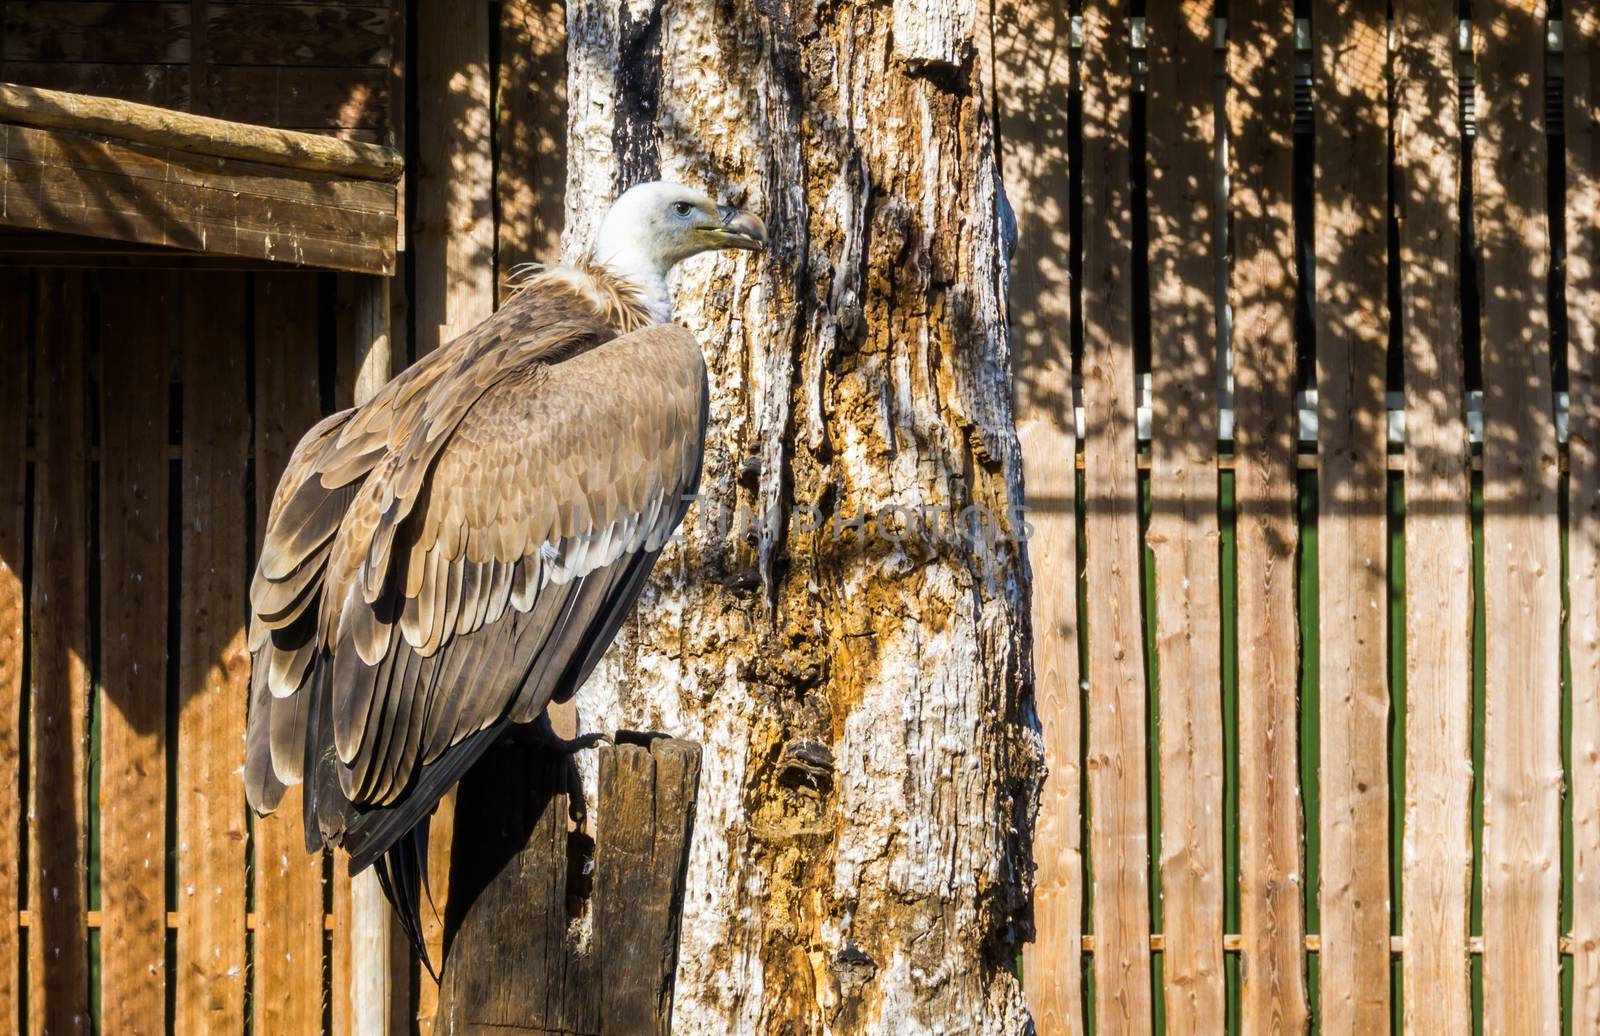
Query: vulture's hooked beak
x,y
737,229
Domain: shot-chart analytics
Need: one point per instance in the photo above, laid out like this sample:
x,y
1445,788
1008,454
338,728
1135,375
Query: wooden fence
x,y
1324,283
150,902
147,404
1331,282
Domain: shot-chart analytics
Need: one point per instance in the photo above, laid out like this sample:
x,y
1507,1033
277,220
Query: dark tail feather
x,y
403,875
370,831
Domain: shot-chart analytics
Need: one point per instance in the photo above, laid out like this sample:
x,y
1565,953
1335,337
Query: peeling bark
x,y
861,857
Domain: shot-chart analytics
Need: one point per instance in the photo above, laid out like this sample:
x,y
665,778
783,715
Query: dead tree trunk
x,y
843,627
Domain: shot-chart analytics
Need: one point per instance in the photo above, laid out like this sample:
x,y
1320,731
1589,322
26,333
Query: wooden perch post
x,y
548,931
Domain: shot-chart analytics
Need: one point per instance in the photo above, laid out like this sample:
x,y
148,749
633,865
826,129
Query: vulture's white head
x,y
654,226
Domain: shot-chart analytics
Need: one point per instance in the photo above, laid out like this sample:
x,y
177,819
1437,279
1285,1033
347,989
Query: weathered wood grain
x,y
288,880
1262,289
454,228
646,806
46,30
1119,818
454,265
531,139
59,645
1582,57
15,292
134,546
371,976
1522,559
213,665
58,984
63,181
1183,534
1032,76
1351,126
298,34
199,58
166,86
516,962
195,134
299,98
365,357
341,988
1437,854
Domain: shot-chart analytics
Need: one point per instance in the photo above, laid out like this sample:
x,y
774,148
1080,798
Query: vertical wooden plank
x,y
199,57
399,70
1032,77
399,114
371,961
1260,120
453,273
367,354
1438,578
531,164
1522,559
133,652
1582,45
288,891
58,983
1183,533
1352,327
532,132
213,665
14,291
1119,839
454,229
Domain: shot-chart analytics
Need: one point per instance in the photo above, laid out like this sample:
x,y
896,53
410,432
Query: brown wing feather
x,y
497,530
545,429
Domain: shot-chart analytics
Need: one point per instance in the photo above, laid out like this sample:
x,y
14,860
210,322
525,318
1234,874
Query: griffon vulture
x,y
443,561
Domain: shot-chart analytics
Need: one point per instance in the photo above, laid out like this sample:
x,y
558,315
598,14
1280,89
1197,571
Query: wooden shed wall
x,y
318,67
158,400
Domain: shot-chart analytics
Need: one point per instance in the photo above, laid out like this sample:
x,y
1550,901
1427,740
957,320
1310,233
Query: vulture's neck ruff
x,y
654,226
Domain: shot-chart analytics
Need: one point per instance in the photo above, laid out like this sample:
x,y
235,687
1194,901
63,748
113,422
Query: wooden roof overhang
x,y
107,170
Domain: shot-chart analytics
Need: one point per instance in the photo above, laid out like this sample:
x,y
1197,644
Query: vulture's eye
x,y
681,208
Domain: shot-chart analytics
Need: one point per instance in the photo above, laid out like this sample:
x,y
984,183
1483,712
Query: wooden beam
x,y
1184,534
1522,551
1032,77
213,664
71,182
134,544
1438,492
58,983
1582,57
15,303
197,134
1260,117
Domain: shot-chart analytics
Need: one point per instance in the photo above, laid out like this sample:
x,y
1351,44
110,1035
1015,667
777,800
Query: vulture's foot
x,y
541,735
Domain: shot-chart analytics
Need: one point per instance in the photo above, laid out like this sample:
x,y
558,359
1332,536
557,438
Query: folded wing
x,y
476,568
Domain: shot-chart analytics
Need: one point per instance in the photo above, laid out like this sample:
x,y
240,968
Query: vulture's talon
x,y
540,734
